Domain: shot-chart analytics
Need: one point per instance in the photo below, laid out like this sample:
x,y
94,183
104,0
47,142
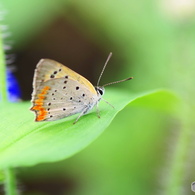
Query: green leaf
x,y
163,100
26,143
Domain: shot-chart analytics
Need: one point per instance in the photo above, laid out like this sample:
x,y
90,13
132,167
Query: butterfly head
x,y
100,90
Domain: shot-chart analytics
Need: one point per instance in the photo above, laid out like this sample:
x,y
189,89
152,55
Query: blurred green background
x,y
153,41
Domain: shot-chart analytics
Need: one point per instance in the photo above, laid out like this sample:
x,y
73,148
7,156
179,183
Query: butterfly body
x,y
60,92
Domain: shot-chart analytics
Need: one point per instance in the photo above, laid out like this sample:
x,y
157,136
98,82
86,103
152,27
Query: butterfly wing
x,y
60,92
49,69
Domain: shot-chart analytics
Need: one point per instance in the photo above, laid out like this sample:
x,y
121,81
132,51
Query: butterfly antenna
x,y
118,81
109,56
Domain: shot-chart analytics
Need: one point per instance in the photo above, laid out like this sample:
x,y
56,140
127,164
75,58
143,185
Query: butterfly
x,y
59,92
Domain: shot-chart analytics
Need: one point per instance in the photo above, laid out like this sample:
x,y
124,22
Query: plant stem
x,y
3,91
184,70
177,174
10,182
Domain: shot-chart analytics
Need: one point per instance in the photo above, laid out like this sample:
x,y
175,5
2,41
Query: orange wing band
x,y
38,105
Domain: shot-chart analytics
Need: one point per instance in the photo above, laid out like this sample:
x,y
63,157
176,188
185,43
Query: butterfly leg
x,y
81,114
98,111
108,103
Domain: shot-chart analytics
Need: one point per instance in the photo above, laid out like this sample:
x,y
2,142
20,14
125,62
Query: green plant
x,y
26,143
146,116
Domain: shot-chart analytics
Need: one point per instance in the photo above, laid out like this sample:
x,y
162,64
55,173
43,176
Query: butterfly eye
x,y
100,90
